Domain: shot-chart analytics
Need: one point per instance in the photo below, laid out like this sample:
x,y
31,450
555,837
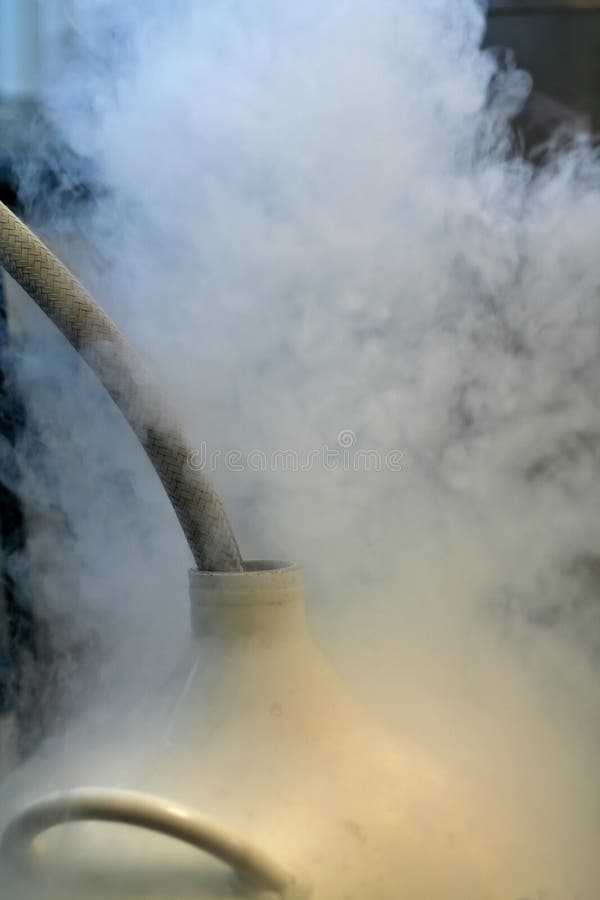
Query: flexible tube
x,y
98,340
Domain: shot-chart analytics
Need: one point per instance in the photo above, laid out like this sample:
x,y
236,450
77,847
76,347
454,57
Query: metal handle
x,y
152,813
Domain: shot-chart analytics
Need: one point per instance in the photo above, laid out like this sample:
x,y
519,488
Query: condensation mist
x,y
314,222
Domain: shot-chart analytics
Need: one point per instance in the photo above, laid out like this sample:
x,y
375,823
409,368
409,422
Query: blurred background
x,y
31,33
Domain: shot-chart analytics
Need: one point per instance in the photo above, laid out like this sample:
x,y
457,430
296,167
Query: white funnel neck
x,y
265,601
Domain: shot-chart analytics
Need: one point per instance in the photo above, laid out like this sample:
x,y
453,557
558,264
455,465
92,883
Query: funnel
x,y
272,778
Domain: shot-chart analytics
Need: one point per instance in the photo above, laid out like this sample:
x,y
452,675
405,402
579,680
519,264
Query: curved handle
x,y
144,811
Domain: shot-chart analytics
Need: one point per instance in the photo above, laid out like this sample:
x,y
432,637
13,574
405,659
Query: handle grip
x,y
154,814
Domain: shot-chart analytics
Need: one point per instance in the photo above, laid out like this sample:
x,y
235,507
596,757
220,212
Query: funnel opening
x,y
267,596
262,578
251,567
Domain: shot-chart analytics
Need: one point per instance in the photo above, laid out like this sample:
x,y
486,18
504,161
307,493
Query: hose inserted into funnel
x,y
99,342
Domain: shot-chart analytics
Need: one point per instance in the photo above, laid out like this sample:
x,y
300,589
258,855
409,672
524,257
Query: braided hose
x,y
98,340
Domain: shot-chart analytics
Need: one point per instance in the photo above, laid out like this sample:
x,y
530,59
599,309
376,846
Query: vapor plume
x,y
314,222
